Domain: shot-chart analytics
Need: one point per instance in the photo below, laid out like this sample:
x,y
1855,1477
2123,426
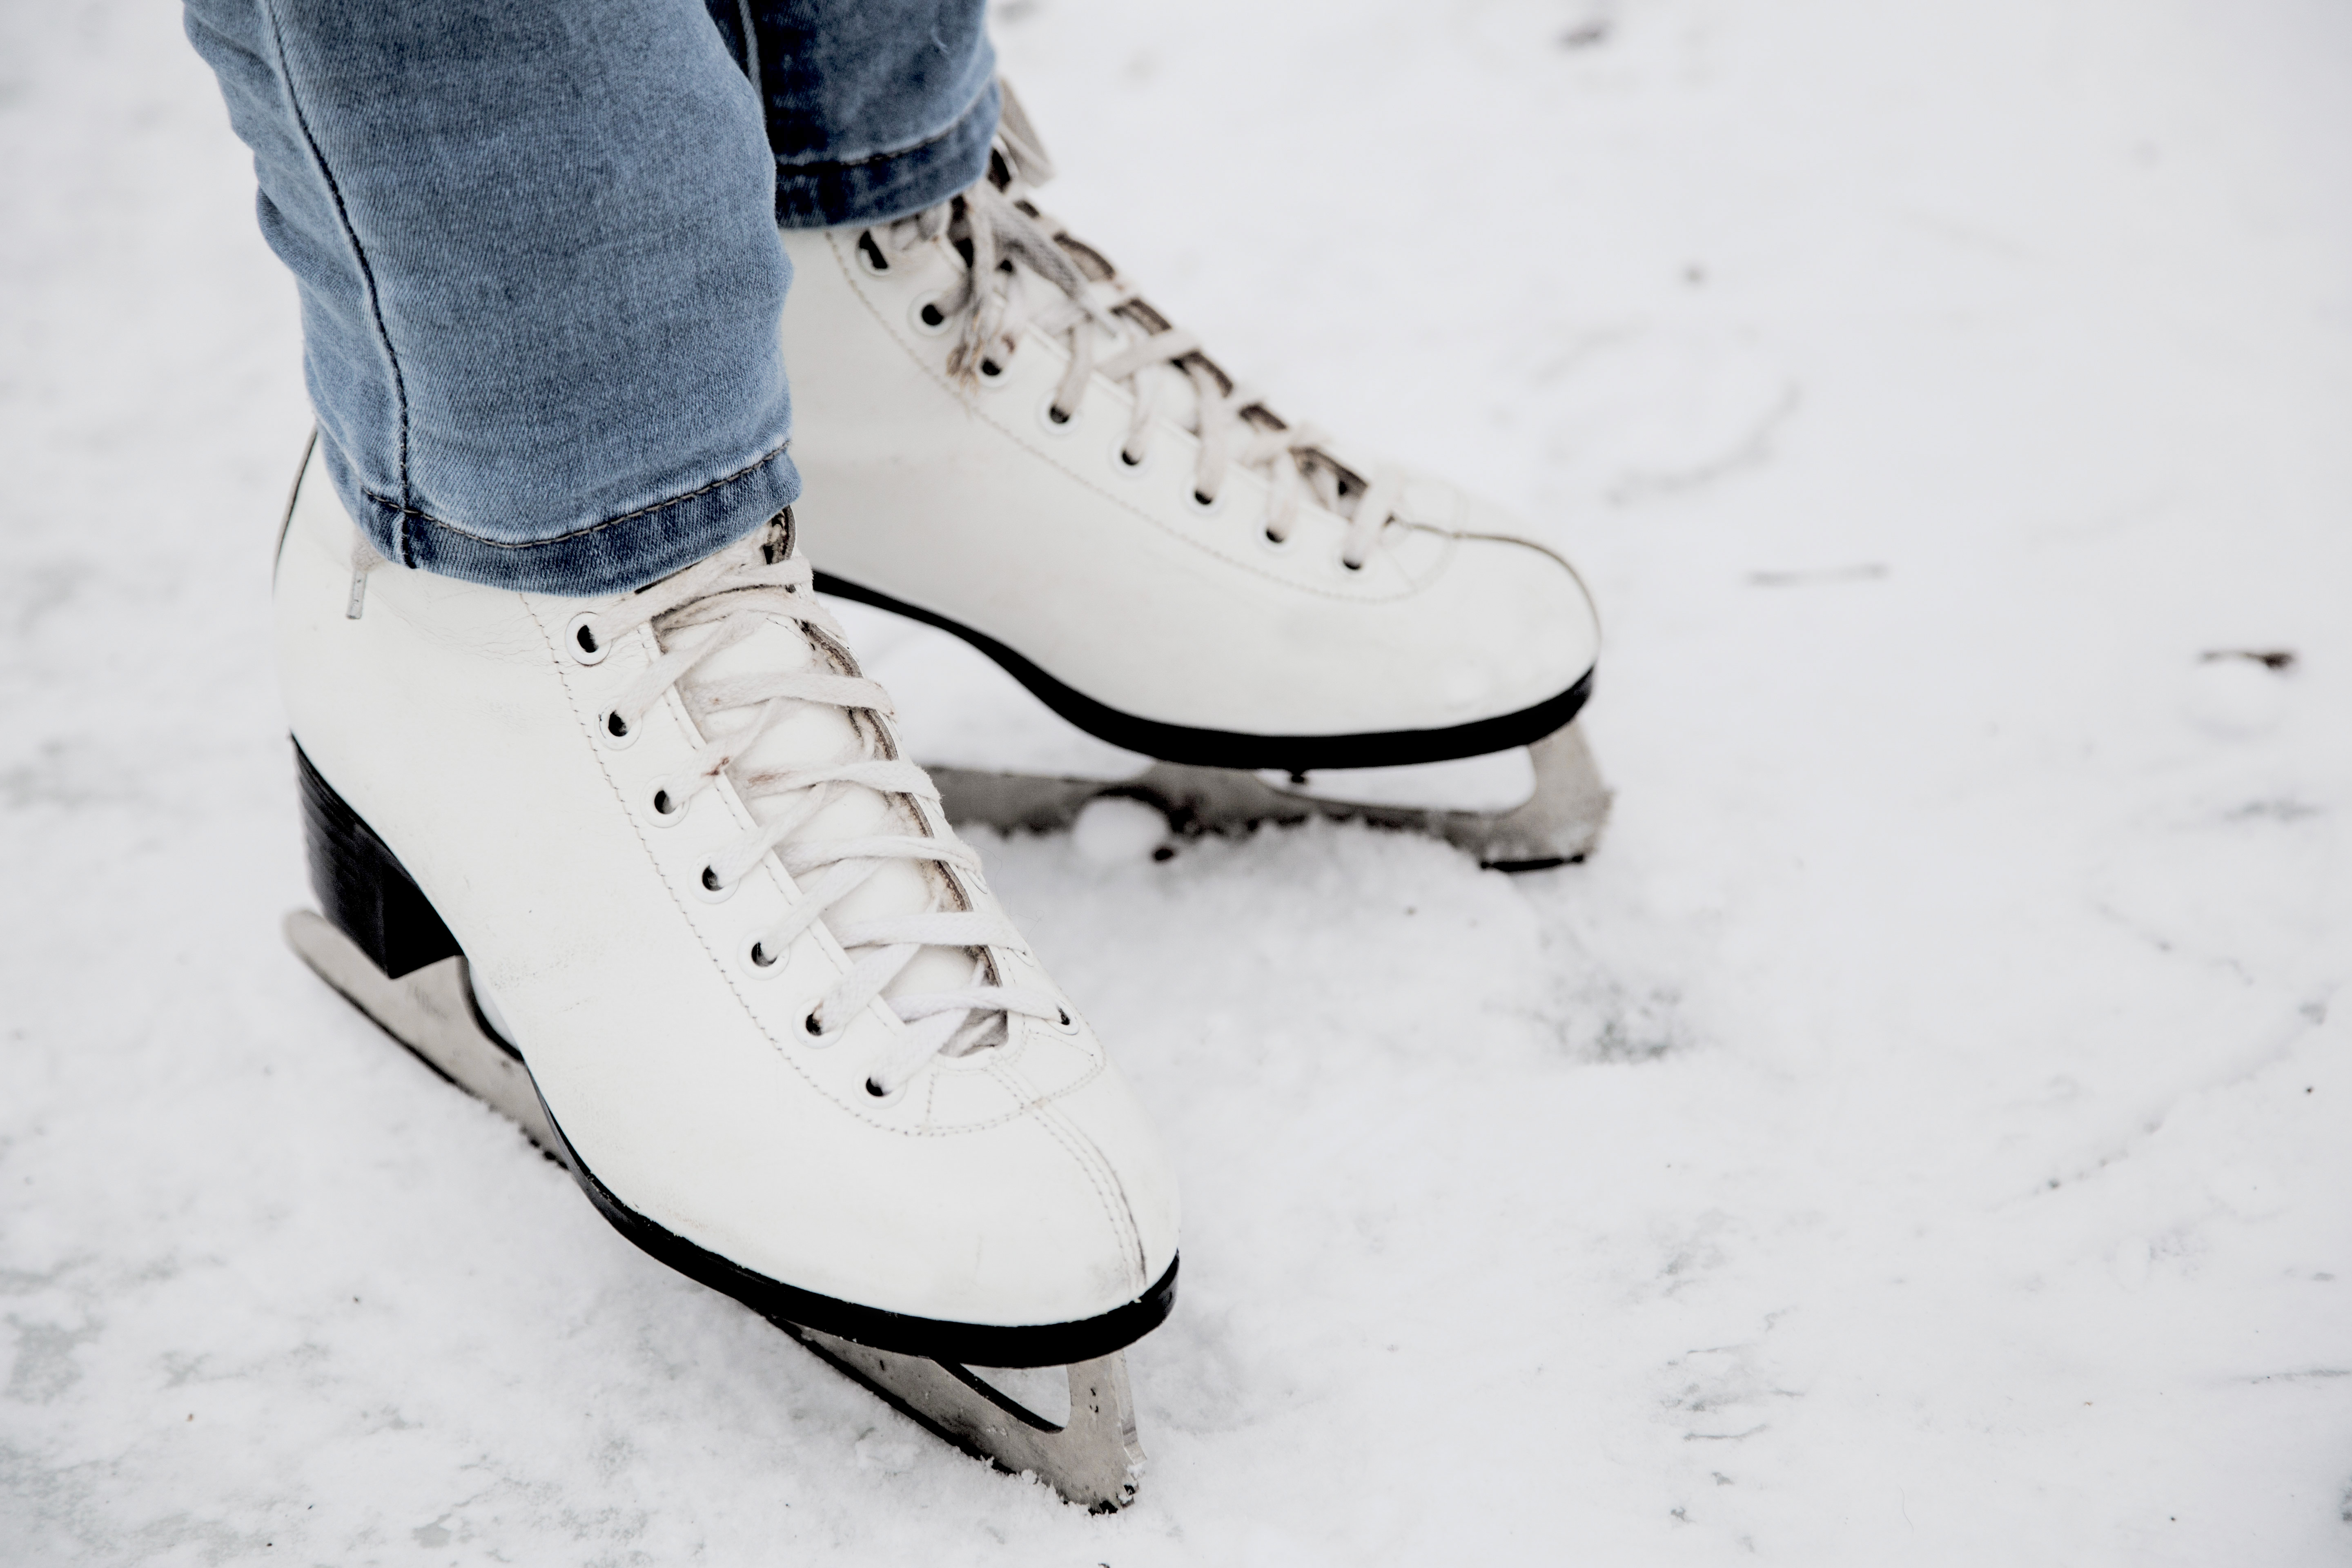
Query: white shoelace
x,y
1110,332
736,593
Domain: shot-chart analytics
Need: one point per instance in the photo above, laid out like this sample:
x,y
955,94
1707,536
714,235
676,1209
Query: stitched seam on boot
x,y
1090,1160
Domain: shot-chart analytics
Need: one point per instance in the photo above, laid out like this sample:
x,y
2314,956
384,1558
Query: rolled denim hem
x,y
889,185
613,556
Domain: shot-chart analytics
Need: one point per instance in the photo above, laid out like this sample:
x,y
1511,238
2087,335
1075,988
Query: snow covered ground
x,y
1922,1134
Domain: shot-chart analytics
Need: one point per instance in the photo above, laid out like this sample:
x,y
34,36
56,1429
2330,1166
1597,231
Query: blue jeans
x,y
535,246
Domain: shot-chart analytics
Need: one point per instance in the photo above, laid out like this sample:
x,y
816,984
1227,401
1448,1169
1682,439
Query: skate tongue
x,y
1018,146
811,734
776,539
1052,260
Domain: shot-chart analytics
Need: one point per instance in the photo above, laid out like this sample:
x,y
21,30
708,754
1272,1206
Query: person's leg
x,y
625,785
540,282
874,110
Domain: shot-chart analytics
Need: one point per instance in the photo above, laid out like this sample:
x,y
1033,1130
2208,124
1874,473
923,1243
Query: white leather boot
x,y
998,435
753,991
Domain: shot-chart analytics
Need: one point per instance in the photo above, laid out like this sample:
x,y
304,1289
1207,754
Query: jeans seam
x,y
892,155
367,273
723,480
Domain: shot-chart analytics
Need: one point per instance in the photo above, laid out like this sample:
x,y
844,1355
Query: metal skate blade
x,y
1092,1458
431,1011
1489,785
1560,821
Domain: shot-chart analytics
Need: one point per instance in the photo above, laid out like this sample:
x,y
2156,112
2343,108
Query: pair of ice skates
x,y
655,874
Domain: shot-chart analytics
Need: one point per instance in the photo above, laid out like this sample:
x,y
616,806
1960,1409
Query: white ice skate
x,y
648,874
999,437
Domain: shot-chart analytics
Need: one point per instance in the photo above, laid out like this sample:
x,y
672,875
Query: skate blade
x,y
1561,821
1092,1459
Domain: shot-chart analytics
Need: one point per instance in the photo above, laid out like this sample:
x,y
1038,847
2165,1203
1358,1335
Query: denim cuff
x,y
889,185
612,556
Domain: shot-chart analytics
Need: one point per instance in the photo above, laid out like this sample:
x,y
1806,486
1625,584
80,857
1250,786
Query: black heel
x,y
360,886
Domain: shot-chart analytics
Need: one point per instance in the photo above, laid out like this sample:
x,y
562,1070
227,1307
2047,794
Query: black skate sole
x,y
365,892
1233,748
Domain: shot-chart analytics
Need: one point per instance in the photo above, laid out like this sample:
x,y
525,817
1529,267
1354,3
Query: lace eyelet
x,y
581,641
1201,508
814,1034
1067,1024
1348,565
1272,546
870,257
1125,466
663,809
876,1092
711,890
927,316
759,961
1066,425
617,733
993,370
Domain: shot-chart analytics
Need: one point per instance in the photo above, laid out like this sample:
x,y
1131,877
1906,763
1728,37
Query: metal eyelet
x,y
760,960
711,890
581,641
1066,425
617,733
922,312
663,807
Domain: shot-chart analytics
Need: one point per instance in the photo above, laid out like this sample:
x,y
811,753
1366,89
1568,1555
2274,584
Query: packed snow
x,y
1922,1134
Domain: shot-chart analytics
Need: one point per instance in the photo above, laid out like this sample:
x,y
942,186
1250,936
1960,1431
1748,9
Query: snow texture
x,y
1919,1135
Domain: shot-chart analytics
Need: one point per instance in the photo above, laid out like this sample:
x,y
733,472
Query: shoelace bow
x,y
1000,227
737,592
